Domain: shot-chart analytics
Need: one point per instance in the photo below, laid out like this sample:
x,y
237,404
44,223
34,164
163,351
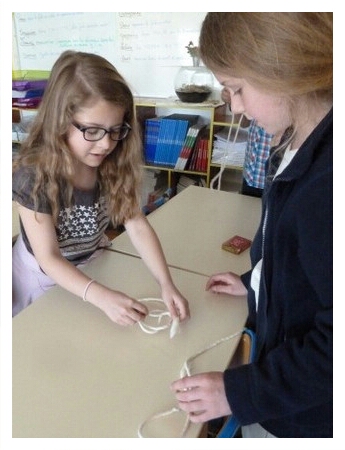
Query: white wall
x,y
147,48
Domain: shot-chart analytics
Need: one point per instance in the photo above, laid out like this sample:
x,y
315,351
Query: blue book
x,y
151,132
185,122
169,141
172,139
165,141
159,155
183,126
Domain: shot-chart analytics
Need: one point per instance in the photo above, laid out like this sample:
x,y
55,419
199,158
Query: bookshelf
x,y
27,91
213,115
158,107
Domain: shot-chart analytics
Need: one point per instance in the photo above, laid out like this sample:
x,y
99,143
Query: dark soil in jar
x,y
193,93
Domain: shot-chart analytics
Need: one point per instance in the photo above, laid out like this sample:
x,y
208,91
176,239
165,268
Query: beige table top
x,y
193,225
77,374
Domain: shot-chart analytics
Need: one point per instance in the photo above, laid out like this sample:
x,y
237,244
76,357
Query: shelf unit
x,y
156,107
19,114
213,112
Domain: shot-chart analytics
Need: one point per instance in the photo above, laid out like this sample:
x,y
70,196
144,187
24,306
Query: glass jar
x,y
193,84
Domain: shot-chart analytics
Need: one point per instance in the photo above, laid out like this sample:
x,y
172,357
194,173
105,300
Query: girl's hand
x,y
226,283
177,305
120,308
202,396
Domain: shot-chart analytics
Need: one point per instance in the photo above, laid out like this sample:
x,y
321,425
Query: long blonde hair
x,y
76,79
287,53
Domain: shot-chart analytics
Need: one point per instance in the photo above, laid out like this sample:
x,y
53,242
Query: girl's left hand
x,y
177,305
226,283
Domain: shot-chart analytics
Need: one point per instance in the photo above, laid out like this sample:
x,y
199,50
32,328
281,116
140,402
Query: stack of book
x,y
199,159
165,136
226,151
187,152
27,93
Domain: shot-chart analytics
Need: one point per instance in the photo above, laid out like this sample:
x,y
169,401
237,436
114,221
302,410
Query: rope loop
x,y
186,371
159,314
161,415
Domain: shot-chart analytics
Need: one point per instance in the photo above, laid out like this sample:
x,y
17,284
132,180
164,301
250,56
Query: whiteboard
x,y
146,48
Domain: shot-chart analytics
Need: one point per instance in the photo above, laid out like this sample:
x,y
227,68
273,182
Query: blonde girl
x,y
79,170
278,68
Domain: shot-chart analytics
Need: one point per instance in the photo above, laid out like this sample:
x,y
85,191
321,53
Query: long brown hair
x,y
77,79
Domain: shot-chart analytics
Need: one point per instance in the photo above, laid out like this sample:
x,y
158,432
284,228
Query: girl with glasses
x,y
78,171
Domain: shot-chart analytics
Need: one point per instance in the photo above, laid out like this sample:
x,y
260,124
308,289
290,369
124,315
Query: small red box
x,y
236,244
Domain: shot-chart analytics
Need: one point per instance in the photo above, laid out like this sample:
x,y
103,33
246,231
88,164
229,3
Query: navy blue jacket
x,y
288,390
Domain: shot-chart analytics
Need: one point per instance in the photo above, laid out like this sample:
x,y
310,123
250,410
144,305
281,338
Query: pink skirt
x,y
28,280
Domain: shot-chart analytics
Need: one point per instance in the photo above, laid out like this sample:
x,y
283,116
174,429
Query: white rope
x,y
185,371
218,176
161,415
159,314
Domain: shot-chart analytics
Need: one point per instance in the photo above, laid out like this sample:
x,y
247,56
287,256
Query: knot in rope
x,y
158,315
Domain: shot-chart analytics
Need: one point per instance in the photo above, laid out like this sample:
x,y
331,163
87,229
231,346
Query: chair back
x,y
244,354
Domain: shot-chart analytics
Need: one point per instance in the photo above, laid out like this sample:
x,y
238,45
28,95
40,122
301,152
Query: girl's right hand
x,y
226,283
119,307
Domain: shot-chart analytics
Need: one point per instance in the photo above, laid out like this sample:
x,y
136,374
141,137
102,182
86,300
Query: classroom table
x,y
193,225
76,374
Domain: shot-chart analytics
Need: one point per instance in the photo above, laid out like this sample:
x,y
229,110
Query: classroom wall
x,y
147,48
